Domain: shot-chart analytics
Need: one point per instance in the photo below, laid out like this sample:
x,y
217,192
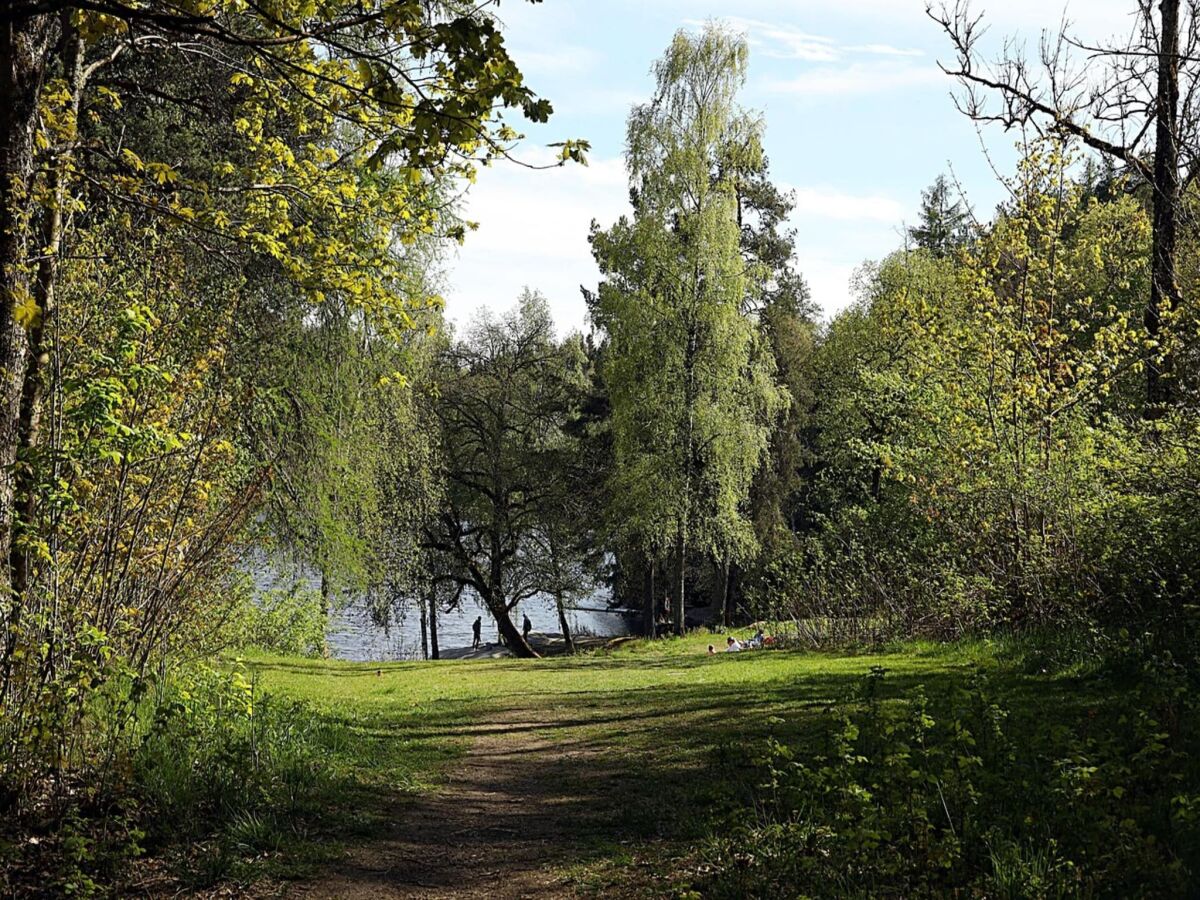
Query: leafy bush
x,y
913,797
290,621
217,747
202,767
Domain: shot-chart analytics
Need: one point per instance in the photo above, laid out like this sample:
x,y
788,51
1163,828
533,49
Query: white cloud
x,y
830,203
885,50
780,40
598,100
828,281
562,60
835,232
858,78
533,230
837,68
785,41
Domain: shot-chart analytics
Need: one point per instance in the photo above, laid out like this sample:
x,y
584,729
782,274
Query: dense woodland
x,y
223,235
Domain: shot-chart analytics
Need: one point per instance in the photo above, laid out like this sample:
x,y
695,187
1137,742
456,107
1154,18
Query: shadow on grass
x,y
576,777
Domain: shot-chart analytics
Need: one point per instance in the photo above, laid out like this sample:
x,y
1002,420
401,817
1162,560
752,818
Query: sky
x,y
859,119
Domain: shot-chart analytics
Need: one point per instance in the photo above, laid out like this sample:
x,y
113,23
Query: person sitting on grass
x,y
712,650
758,640
733,645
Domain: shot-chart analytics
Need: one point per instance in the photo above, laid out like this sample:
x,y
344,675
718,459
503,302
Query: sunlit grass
x,y
671,733
667,696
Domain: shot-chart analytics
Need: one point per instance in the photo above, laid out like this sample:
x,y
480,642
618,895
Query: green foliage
x,y
288,620
978,431
944,226
218,303
221,289
511,526
202,768
923,794
223,278
678,750
221,757
692,387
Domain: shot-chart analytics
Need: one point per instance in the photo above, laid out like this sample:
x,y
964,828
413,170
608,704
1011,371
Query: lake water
x,y
354,636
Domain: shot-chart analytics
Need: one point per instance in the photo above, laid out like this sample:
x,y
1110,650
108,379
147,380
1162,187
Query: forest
x,y
962,513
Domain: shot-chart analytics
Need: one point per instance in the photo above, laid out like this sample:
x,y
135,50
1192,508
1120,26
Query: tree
x,y
943,222
970,407
768,245
691,386
779,298
402,568
574,465
505,396
217,225
341,119
318,422
1114,112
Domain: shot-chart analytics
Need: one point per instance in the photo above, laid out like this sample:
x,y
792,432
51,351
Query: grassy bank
x,y
667,709
689,772
990,768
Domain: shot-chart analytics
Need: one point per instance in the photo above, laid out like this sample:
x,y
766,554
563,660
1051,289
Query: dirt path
x,y
514,810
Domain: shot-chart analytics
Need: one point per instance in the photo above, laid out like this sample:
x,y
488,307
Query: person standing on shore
x,y
477,628
526,628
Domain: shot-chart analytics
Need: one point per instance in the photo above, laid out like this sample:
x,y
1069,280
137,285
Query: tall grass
x,y
202,770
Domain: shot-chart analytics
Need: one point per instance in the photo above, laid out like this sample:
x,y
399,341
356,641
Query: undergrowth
x,y
211,778
954,792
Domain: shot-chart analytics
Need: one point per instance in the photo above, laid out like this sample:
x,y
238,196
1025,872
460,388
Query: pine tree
x,y
943,222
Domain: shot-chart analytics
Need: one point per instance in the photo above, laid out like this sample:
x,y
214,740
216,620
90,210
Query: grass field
x,y
603,772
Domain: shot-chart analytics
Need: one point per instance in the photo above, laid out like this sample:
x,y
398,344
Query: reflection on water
x,y
354,636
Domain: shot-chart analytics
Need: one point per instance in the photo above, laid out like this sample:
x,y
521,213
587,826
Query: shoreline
x,y
544,644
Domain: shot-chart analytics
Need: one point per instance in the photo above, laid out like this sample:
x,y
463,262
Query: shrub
x,y
290,621
221,758
913,797
201,766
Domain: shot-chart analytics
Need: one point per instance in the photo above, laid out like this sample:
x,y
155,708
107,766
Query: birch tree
x,y
692,388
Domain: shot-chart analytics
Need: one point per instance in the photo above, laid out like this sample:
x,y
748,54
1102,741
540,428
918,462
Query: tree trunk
x,y
434,652
492,594
509,633
326,598
1164,290
649,601
421,606
689,449
677,611
731,576
326,604
720,593
44,295
25,47
562,622
559,581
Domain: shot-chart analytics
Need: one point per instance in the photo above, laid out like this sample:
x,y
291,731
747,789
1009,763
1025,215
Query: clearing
x,y
598,773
